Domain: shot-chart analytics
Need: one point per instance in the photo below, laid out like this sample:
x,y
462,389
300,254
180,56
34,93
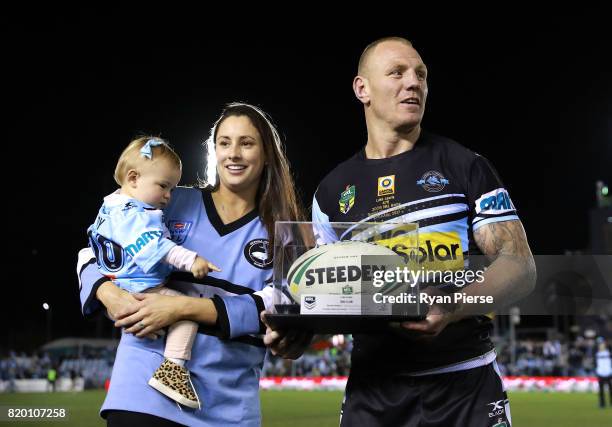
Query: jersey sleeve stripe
x,y
259,303
477,224
212,281
92,301
223,323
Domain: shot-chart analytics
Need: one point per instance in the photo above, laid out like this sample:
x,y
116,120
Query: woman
x,y
232,225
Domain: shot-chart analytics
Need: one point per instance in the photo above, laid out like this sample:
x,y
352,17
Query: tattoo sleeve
x,y
505,238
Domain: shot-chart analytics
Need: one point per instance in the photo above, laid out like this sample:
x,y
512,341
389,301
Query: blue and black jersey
x,y
450,192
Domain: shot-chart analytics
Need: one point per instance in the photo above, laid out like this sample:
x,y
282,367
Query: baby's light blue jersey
x,y
226,359
130,240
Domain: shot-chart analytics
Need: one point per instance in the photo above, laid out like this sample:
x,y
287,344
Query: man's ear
x,y
361,89
131,177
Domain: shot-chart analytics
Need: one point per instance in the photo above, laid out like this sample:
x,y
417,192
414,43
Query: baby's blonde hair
x,y
131,157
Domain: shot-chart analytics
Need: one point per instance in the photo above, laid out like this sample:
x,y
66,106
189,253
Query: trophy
x,y
345,277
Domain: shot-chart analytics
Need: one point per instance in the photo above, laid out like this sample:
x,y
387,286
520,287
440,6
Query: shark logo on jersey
x,y
258,254
432,181
179,230
347,199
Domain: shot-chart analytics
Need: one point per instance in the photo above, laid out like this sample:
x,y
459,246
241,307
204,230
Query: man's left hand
x,y
438,317
432,325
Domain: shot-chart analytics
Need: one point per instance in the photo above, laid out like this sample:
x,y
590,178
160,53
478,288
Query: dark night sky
x,y
532,91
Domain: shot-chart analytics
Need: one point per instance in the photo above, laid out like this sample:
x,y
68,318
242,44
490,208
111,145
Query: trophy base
x,y
336,324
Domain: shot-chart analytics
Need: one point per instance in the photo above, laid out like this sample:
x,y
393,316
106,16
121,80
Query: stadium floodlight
x,y
515,315
47,307
515,319
603,195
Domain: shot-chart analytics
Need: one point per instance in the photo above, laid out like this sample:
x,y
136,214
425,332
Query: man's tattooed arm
x,y
506,238
512,274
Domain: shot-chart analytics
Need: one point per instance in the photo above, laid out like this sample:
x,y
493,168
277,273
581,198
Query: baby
x,y
133,249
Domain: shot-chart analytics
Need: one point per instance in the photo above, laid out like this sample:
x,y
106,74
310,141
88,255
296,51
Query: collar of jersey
x,y
116,199
361,155
215,219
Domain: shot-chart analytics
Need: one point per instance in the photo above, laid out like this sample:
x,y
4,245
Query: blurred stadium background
x,y
548,363
93,88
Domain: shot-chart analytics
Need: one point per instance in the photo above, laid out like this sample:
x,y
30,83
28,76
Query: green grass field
x,y
320,408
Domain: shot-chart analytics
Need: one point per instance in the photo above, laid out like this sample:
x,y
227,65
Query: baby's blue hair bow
x,y
146,150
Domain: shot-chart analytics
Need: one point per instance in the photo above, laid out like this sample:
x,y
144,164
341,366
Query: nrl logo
x,y
310,302
347,199
347,290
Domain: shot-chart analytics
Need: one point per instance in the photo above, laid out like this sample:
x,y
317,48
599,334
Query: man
x,y
603,370
51,378
439,371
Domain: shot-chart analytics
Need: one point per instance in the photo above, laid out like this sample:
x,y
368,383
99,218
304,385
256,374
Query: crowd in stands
x,y
94,366
327,362
533,358
22,366
549,358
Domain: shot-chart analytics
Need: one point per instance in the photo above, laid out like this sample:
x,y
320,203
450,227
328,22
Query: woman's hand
x,y
116,300
154,312
289,345
120,303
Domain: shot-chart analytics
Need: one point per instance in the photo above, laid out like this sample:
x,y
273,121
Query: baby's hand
x,y
201,267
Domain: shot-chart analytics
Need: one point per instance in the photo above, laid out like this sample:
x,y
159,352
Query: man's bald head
x,y
367,52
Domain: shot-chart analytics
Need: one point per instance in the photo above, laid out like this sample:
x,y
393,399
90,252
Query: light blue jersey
x,y
226,359
130,240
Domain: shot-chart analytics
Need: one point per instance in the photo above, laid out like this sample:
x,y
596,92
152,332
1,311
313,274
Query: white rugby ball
x,y
336,268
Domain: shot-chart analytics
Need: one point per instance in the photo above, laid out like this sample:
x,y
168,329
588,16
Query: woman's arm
x,y
115,299
156,311
96,290
90,280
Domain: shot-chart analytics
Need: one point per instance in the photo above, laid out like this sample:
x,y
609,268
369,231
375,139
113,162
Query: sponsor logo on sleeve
x,y
494,202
